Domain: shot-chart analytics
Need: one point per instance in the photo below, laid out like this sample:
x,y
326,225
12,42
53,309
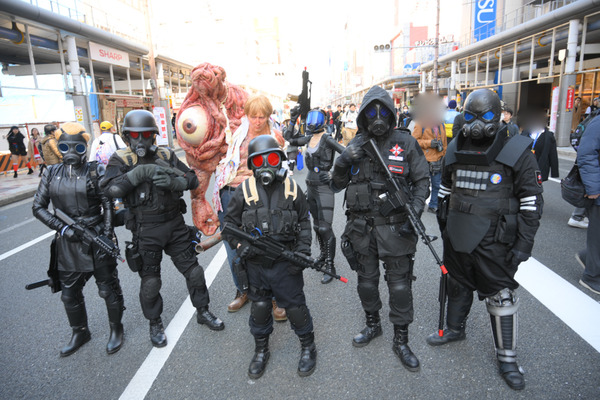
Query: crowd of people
x,y
481,171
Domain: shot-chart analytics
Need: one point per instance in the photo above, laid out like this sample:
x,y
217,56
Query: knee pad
x,y
150,287
196,276
298,316
367,290
324,230
261,312
71,298
400,291
503,303
104,290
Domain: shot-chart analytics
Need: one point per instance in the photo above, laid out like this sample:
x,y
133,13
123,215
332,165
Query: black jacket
x,y
545,153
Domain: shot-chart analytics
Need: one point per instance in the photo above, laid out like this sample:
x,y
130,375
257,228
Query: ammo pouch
x,y
390,203
241,273
435,167
506,231
134,259
358,197
350,254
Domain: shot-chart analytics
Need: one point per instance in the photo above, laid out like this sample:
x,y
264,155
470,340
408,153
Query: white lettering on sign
x,y
109,55
485,7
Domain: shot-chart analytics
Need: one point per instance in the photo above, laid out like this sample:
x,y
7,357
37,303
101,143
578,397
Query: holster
x,y
442,212
53,269
350,254
241,273
133,257
506,231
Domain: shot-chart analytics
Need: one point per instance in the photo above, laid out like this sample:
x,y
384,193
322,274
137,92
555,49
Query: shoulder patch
x,y
538,178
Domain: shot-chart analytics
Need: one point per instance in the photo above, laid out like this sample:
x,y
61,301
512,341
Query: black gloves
x,y
294,114
294,269
406,229
140,173
516,257
163,180
245,250
350,155
324,177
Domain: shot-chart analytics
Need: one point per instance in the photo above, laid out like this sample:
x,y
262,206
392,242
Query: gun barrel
x,y
35,285
208,243
63,217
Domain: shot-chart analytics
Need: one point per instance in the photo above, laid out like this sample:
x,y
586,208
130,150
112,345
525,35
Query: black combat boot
x,y
207,318
115,341
400,347
329,257
308,355
372,330
157,333
261,357
321,247
81,334
450,335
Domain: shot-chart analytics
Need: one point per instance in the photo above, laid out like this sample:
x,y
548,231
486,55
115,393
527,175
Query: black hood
x,y
375,93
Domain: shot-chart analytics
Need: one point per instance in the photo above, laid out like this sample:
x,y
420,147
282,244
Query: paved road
x,y
559,363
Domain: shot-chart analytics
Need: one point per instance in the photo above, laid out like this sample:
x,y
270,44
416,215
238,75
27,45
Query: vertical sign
x,y
570,98
484,23
79,113
554,109
161,121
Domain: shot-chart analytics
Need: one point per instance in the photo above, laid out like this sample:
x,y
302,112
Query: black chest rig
x,y
483,196
147,202
322,159
368,181
272,215
76,192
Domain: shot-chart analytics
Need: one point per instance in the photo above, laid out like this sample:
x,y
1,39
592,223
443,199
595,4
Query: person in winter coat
x,y
544,143
49,146
18,152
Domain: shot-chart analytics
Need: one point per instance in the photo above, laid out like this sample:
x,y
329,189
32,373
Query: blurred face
x,y
15,130
258,123
506,116
352,108
35,133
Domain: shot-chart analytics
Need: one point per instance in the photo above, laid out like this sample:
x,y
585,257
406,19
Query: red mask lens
x,y
147,134
134,135
274,159
257,161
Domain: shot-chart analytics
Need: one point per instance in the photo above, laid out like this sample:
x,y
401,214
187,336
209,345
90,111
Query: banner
x,y
484,23
161,121
554,108
109,55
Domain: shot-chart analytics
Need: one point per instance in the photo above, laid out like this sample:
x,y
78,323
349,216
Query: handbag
x,y
573,190
300,161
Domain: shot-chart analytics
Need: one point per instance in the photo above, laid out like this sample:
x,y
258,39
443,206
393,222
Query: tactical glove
x,y
324,177
140,173
294,269
350,155
245,250
294,114
516,257
69,233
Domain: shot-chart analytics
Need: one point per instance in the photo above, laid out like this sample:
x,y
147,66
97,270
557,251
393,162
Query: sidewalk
x,y
25,186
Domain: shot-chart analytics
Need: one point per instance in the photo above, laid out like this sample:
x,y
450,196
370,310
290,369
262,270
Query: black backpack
x,y
580,130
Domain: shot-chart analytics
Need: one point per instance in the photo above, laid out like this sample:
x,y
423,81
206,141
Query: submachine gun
x,y
273,249
303,99
399,196
87,237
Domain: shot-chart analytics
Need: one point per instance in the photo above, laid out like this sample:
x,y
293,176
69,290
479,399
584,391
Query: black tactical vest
x,y
273,215
322,159
76,194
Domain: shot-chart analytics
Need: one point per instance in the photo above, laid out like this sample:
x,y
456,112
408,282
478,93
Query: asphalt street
x,y
203,364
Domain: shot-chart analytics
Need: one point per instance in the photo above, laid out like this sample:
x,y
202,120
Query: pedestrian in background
x,y
16,145
49,146
544,143
106,144
588,160
449,117
337,118
33,148
507,114
350,126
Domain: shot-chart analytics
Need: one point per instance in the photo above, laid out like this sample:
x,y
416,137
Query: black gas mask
x,y
267,168
142,143
73,149
482,115
378,119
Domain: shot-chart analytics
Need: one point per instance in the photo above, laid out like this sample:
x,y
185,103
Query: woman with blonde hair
x,y
233,170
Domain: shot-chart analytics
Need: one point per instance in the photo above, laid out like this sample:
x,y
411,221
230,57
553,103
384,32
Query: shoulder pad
x,y
163,153
290,188
128,156
450,157
513,149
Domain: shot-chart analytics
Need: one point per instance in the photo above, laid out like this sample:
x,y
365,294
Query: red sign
x,y
570,98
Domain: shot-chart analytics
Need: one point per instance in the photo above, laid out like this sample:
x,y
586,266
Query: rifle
x,y
88,236
303,99
273,249
400,196
162,163
52,280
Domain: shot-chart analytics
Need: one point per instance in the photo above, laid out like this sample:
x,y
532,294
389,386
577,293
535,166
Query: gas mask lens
x,y
372,111
64,148
145,135
273,159
487,116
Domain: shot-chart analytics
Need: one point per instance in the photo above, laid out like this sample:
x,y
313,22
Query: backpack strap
x,y
290,189
128,156
250,191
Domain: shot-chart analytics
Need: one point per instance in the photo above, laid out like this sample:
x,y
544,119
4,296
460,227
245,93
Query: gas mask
x,y
142,143
73,149
482,115
378,119
267,168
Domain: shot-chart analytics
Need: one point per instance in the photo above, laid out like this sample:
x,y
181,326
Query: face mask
x,y
267,168
479,126
378,119
73,149
142,143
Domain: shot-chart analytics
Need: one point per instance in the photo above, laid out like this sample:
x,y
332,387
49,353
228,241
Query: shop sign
x,y
161,121
570,98
484,24
109,55
554,108
130,103
78,113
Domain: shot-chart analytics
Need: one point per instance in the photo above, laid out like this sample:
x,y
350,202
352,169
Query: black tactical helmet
x,y
139,121
263,144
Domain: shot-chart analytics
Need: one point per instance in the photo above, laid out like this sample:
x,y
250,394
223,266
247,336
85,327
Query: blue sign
x,y
484,23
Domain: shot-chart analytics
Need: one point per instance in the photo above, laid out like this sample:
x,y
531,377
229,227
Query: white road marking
x,y
20,224
554,179
142,381
26,245
576,309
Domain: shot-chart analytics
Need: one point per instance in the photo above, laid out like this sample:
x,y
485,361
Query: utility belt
x,y
143,218
470,208
375,219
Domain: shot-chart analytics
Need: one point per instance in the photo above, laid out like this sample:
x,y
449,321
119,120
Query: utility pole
x,y
437,49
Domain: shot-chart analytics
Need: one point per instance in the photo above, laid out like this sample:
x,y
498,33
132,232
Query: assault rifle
x,y
52,280
88,236
162,163
273,249
400,197
303,99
